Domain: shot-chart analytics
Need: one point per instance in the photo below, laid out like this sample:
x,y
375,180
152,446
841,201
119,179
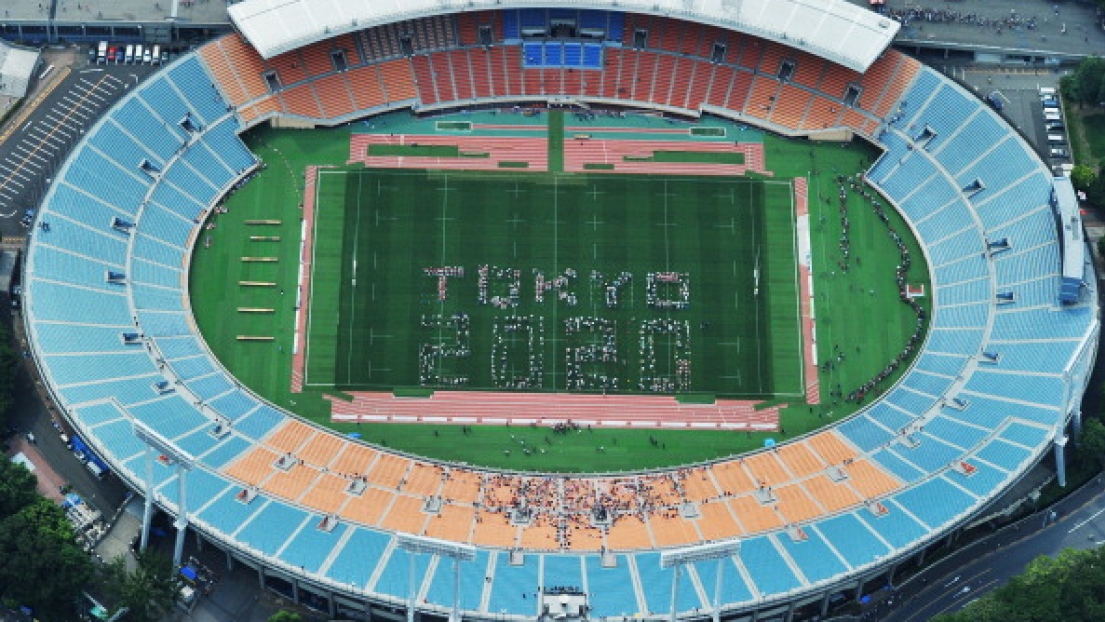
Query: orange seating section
x,y
237,68
717,522
761,102
301,100
288,67
790,106
808,69
365,85
333,94
906,71
316,57
772,58
398,79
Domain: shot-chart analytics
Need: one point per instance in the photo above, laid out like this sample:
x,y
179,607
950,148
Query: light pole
x,y
184,463
677,558
432,546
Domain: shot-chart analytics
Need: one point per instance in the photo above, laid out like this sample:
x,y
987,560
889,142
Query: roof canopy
x,y
834,29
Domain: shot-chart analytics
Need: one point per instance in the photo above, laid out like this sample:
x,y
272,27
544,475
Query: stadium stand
x,y
829,507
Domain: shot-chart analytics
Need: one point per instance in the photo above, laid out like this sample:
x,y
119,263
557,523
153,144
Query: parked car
x,y
1061,154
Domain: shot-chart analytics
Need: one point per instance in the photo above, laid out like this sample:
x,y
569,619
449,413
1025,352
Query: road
x,y
947,585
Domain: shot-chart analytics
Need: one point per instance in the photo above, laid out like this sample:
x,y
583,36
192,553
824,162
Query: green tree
x,y
17,487
1089,80
285,616
9,367
148,591
1069,586
43,566
1082,177
1093,438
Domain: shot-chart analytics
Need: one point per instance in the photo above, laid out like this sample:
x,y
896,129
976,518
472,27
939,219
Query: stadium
x,y
359,530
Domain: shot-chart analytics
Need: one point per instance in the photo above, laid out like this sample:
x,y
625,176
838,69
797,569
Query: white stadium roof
x,y
834,29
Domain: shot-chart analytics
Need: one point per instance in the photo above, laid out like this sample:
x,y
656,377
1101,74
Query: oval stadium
x,y
359,530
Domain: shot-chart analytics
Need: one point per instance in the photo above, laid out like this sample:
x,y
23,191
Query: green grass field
x,y
375,311
857,310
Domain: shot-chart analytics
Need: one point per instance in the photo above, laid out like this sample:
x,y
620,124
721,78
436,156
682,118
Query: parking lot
x,y
32,151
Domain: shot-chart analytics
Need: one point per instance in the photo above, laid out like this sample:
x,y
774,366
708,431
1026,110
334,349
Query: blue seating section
x,y
733,588
1025,435
965,291
157,135
509,584
766,567
658,580
947,221
351,565
122,148
933,196
258,423
965,316
851,539
932,454
203,97
97,414
1039,324
983,482
105,180
863,433
963,251
472,582
893,462
934,501
59,338
926,84
186,179
1006,204
61,303
224,453
891,418
955,433
154,250
162,98
945,114
179,202
1017,267
226,513
955,341
73,269
162,224
234,405
270,528
971,141
896,526
1029,388
1003,455
567,54
170,416
142,271
611,582
208,166
126,392
1035,357
940,364
223,140
927,383
813,556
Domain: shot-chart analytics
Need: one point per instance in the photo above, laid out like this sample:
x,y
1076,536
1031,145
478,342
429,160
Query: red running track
x,y
805,298
498,149
495,408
